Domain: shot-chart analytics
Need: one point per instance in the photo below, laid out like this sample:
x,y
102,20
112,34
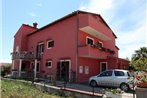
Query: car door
x,y
119,78
105,78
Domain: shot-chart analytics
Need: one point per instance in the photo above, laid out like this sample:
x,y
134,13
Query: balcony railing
x,y
25,55
95,51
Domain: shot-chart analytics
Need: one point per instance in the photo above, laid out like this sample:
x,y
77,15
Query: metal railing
x,y
25,55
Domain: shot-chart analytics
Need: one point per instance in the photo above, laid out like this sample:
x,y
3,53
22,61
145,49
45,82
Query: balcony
x,y
95,27
25,55
94,32
93,51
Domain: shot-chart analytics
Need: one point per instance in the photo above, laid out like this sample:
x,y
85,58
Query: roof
x,y
69,15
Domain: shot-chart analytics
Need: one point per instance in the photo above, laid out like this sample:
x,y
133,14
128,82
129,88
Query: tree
x,y
139,59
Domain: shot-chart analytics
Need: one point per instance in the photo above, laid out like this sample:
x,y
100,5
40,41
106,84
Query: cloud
x,y
126,18
5,61
131,40
33,14
97,6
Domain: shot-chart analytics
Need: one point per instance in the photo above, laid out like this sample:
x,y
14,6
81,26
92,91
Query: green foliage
x,y
5,69
14,89
139,59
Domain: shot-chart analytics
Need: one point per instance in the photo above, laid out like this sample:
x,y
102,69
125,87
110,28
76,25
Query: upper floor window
x,y
50,44
40,48
89,41
101,44
17,49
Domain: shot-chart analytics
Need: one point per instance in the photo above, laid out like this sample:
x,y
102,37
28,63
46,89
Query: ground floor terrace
x,y
64,69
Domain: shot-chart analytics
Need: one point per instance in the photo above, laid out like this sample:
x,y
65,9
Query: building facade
x,y
74,47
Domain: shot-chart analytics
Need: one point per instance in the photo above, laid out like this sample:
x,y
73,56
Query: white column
x,y
13,64
35,68
20,63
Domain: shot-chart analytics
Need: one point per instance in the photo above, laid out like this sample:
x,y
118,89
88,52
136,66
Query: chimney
x,y
35,24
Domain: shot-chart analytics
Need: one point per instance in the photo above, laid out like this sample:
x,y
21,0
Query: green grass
x,y
14,89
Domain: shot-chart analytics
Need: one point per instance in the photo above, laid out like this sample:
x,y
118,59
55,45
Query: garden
x,y
16,89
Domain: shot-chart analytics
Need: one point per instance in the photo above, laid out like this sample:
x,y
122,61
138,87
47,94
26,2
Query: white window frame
x,y
47,44
41,48
17,49
87,37
101,66
69,66
101,43
50,61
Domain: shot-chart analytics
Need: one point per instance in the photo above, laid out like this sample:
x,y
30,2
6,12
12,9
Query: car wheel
x,y
124,87
93,83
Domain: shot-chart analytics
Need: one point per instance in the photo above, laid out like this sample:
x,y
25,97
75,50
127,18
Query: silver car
x,y
113,78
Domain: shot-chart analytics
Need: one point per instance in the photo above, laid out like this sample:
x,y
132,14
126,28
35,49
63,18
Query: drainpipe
x,y
77,30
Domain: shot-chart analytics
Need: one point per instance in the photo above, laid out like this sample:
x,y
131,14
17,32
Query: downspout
x,y
77,30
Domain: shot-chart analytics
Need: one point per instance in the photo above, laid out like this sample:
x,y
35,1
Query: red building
x,y
74,47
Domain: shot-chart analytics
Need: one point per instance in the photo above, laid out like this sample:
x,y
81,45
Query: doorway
x,y
63,73
103,66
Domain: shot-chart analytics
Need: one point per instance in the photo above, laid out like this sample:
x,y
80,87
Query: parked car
x,y
113,78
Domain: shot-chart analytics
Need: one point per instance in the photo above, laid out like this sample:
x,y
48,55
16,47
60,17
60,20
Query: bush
x,y
5,70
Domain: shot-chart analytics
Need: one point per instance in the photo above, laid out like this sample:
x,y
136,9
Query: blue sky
x,y
127,18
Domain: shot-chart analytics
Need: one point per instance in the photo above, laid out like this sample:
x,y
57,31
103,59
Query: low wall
x,y
68,92
62,91
141,92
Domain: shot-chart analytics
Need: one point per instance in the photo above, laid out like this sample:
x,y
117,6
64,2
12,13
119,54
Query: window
x,y
130,74
86,69
80,69
106,73
89,41
119,73
50,44
17,49
101,44
40,49
49,64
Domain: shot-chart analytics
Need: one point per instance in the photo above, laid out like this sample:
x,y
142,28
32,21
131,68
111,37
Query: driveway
x,y
80,86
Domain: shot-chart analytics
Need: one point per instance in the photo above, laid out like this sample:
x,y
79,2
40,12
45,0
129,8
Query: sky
x,y
127,19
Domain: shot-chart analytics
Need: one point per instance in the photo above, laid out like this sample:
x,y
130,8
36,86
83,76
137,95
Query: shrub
x,y
6,69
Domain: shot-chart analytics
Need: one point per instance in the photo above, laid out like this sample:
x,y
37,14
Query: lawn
x,y
14,89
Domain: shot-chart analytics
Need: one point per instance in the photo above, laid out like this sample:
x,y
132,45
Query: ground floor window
x,y
49,64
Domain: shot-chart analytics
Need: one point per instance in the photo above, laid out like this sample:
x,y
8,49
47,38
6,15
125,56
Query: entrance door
x,y
103,66
63,71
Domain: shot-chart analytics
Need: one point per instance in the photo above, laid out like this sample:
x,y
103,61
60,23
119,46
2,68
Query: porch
x,y
25,64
